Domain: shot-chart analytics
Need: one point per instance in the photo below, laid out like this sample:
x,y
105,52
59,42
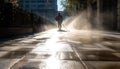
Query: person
x,y
59,20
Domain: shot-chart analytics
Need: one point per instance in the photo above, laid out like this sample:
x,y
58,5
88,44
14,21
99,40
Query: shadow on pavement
x,y
62,31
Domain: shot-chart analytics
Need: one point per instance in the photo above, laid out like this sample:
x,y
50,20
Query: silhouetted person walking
x,y
59,20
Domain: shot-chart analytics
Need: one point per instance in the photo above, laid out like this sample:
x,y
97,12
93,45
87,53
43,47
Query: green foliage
x,y
74,6
14,2
6,1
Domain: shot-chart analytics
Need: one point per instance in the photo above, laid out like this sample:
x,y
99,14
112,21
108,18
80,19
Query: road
x,y
75,49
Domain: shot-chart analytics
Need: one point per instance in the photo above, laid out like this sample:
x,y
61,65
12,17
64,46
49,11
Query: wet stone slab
x,y
67,56
3,53
29,41
93,49
117,54
7,63
5,44
23,44
38,55
48,64
98,56
56,55
16,54
9,48
110,38
103,64
113,45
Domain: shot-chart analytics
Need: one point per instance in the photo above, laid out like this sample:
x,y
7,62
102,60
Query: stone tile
x,y
16,54
7,63
48,64
117,54
103,64
98,56
2,53
9,48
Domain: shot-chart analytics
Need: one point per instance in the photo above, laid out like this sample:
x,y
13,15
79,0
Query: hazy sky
x,y
60,8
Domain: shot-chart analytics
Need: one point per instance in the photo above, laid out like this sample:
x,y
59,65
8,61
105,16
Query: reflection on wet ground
x,y
62,50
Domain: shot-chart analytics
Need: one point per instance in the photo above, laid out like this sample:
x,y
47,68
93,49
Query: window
x,y
26,1
50,1
41,6
26,5
41,1
33,1
34,5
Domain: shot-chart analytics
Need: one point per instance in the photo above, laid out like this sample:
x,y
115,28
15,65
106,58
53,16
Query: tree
x,y
74,6
14,2
6,1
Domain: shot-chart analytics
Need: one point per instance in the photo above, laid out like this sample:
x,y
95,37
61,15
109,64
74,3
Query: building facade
x,y
44,8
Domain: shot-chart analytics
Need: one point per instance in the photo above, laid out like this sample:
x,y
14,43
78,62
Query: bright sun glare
x,y
60,7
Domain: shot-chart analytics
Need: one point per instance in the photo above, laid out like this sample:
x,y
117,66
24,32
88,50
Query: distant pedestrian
x,y
59,20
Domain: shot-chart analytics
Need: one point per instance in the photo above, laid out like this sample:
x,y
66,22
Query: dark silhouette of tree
x,y
74,6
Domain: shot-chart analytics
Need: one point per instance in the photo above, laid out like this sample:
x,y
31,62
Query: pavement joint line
x,y
10,67
84,65
82,62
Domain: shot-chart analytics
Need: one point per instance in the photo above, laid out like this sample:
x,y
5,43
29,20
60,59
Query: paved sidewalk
x,y
62,50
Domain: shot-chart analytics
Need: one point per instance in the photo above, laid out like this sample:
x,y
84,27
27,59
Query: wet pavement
x,y
76,49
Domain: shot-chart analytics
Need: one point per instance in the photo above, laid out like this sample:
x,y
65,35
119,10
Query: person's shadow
x,y
62,30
